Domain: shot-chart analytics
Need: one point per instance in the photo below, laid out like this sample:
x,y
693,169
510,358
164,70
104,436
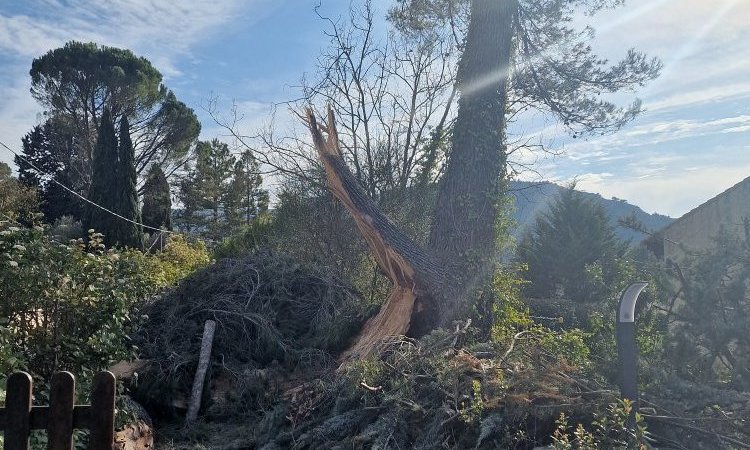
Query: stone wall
x,y
696,229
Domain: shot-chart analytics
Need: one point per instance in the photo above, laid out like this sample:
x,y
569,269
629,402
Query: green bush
x,y
609,430
69,306
248,239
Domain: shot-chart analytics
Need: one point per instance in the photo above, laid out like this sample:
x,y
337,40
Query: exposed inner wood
x,y
411,269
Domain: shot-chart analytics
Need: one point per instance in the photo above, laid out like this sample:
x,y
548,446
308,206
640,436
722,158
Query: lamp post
x,y
627,351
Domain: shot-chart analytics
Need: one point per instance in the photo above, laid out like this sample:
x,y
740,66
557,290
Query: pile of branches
x,y
272,314
687,415
431,394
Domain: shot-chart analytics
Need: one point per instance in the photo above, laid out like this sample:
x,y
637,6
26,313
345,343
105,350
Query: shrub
x,y
609,430
69,306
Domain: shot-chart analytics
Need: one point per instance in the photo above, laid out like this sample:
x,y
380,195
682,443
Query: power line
x,y
52,179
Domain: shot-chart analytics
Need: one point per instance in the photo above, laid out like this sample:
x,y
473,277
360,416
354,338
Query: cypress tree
x,y
157,204
103,190
128,234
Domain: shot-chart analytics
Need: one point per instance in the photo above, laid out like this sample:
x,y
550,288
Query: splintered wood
x,y
381,236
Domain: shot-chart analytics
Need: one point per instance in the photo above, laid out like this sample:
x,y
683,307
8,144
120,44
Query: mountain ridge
x,y
533,198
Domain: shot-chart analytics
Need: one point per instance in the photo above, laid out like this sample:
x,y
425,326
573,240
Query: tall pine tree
x,y
127,234
205,190
157,203
103,190
246,197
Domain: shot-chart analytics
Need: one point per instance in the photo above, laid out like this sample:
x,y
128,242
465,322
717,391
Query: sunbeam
x,y
628,16
671,62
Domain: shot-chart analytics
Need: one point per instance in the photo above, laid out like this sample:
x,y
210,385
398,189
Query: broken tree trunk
x,y
430,285
411,269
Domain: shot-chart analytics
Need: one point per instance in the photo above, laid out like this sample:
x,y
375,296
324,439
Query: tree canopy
x,y
52,148
129,234
76,82
103,190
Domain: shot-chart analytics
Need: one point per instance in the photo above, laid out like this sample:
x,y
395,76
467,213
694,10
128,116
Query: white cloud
x,y
17,113
164,32
672,192
698,96
160,29
649,134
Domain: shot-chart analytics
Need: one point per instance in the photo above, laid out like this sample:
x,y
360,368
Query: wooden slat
x,y
102,422
81,416
17,412
60,420
39,416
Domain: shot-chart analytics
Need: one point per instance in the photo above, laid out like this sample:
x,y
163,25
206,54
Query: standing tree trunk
x,y
431,285
464,228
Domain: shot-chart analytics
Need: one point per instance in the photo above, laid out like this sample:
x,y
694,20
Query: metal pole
x,y
627,351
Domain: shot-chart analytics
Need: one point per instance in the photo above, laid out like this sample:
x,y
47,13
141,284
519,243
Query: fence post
x,y
102,421
60,418
18,412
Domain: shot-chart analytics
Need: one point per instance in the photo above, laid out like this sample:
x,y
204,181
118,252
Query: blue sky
x,y
692,143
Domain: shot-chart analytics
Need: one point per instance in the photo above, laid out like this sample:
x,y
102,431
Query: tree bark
x,y
204,359
431,285
464,233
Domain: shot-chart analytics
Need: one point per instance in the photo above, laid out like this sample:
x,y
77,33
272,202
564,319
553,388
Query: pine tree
x,y
567,242
204,190
157,203
128,234
246,198
103,190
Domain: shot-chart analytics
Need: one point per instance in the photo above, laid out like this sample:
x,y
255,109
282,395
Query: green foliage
x,y
79,80
711,334
17,201
76,84
61,305
178,259
157,201
64,76
572,252
512,321
254,236
609,430
206,188
104,184
70,306
51,148
128,234
246,197
310,225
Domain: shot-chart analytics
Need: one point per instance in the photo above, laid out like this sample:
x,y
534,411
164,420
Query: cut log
x,y
200,374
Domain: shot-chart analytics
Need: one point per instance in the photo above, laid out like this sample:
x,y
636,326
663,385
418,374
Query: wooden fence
x,y
62,415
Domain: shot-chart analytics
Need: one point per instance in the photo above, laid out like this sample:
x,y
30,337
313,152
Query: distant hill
x,y
534,198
